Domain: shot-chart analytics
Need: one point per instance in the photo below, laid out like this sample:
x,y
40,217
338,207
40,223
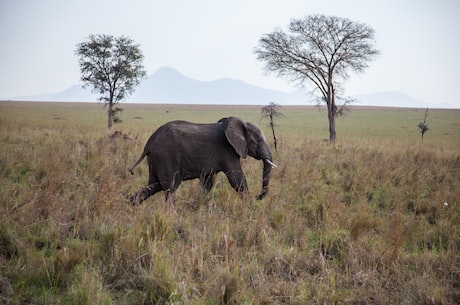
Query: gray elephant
x,y
181,150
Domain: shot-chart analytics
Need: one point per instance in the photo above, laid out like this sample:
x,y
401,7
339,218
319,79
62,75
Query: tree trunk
x,y
332,133
331,109
110,111
109,114
275,142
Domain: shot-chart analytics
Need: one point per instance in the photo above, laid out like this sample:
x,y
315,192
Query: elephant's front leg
x,y
237,180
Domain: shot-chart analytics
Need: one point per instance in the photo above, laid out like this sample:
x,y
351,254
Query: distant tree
x,y
271,112
320,50
112,66
423,126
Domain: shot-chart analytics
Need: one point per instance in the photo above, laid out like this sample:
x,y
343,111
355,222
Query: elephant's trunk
x,y
268,165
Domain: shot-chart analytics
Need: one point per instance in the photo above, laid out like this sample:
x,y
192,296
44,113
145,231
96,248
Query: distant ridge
x,y
168,85
388,99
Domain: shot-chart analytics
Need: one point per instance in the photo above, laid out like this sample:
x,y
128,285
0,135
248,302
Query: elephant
x,y
181,150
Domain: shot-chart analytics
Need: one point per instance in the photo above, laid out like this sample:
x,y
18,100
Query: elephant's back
x,y
182,135
183,130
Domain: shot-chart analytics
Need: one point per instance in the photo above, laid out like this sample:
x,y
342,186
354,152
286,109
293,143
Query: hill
x,y
168,85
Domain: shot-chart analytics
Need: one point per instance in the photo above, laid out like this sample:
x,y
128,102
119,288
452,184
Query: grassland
x,y
372,219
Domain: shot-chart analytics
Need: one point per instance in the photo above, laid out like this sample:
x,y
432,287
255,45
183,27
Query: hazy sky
x,y
210,39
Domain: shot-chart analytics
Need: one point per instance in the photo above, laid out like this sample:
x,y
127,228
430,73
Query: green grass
x,y
373,219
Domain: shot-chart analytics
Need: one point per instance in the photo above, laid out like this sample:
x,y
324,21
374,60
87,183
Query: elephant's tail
x,y
137,163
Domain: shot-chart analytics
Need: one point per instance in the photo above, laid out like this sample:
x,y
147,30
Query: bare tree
x,y
320,50
423,126
112,66
272,111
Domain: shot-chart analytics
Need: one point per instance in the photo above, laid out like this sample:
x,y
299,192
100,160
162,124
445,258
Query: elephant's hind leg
x,y
146,192
170,184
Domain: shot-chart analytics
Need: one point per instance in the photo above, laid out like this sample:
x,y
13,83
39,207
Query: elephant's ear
x,y
234,129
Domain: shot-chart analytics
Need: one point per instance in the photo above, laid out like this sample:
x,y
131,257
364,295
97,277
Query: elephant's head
x,y
248,139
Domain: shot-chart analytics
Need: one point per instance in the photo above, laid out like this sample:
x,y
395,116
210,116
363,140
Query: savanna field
x,y
371,219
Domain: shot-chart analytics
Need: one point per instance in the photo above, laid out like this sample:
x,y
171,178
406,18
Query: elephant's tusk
x,y
273,165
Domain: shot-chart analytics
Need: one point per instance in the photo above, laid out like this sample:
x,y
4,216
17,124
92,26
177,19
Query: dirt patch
x,y
57,117
120,135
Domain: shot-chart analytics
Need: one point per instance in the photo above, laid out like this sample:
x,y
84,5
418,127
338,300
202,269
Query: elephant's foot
x,y
145,193
137,198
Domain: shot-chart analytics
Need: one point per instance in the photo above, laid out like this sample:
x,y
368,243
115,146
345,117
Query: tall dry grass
x,y
359,222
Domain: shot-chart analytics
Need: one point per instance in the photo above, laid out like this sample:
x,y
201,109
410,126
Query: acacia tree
x,y
112,66
319,50
270,112
422,125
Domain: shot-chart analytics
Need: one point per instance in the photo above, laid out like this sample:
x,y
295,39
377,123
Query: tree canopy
x,y
321,51
112,67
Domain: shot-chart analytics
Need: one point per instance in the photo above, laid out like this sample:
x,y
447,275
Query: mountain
x,y
388,99
75,93
167,85
396,99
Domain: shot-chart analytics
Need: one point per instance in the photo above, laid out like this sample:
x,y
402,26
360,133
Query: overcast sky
x,y
419,41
